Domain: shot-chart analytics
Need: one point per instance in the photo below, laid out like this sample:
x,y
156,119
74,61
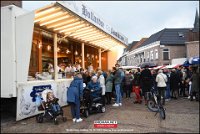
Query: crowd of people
x,y
118,83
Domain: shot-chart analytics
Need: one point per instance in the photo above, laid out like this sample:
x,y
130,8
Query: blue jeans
x,y
75,109
55,107
167,93
118,94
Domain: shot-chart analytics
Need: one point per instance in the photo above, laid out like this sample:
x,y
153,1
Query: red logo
x,y
105,124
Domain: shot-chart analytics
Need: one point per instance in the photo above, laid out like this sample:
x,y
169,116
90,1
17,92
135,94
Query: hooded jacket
x,y
75,90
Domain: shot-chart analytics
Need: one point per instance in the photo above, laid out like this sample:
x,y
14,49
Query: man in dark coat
x,y
174,83
74,93
146,81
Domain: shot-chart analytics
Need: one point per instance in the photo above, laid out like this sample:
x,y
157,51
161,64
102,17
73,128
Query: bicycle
x,y
154,104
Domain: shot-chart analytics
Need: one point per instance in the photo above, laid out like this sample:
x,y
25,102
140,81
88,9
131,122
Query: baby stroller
x,y
91,104
50,107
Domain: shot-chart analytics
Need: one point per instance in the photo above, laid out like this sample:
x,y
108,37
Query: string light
x,y
58,50
67,51
76,53
48,47
40,45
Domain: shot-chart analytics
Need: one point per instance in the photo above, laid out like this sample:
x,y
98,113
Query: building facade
x,y
16,3
192,44
160,48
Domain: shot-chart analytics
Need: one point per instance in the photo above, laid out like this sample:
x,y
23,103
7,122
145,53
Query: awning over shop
x,y
159,67
60,19
129,67
172,66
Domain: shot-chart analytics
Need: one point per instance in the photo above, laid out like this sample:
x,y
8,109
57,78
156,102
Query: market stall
x,y
42,43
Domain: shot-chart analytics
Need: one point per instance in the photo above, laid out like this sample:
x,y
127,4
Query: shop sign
x,y
83,11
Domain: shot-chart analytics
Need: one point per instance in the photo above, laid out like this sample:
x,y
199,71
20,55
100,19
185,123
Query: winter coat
x,y
128,79
174,81
94,86
101,80
109,83
75,90
161,80
118,77
195,82
146,80
136,80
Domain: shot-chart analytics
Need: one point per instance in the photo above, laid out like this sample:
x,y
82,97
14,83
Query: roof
x,y
138,43
61,18
169,36
131,45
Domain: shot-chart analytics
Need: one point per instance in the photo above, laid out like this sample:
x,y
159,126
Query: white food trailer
x,y
17,28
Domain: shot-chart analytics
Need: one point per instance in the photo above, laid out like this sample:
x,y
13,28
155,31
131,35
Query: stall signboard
x,y
88,14
27,92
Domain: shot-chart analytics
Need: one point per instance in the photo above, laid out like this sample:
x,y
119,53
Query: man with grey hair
x,y
161,80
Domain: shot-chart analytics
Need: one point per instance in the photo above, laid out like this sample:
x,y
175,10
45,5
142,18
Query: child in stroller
x,y
49,105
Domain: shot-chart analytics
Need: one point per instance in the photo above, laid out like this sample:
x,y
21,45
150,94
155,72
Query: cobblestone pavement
x,y
182,116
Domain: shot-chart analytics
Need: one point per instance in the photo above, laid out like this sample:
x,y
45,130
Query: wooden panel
x,y
104,61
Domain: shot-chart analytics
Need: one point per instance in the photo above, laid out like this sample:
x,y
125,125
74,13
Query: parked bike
x,y
154,103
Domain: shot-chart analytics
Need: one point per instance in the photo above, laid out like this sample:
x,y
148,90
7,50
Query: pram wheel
x,y
64,119
39,118
103,109
86,113
55,121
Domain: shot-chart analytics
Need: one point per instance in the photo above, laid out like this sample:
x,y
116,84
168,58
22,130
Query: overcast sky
x,y
138,19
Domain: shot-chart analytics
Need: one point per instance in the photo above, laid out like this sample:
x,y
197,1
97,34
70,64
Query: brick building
x,y
160,48
16,3
165,45
192,44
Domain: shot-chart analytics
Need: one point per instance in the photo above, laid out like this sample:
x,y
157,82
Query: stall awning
x,y
59,19
172,66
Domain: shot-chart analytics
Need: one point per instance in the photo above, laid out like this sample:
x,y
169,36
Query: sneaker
x,y
115,105
74,119
79,120
120,104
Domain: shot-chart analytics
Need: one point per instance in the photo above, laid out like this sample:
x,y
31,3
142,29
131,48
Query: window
x,y
156,54
147,56
151,55
165,54
180,34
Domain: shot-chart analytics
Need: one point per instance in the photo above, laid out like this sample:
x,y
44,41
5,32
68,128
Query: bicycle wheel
x,y
162,113
152,106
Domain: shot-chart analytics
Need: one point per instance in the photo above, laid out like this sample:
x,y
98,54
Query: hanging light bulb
x,y
48,47
96,57
88,55
58,49
67,51
93,56
76,52
40,45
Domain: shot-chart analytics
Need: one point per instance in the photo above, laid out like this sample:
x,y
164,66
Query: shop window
x,y
147,56
165,54
151,55
41,65
156,54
